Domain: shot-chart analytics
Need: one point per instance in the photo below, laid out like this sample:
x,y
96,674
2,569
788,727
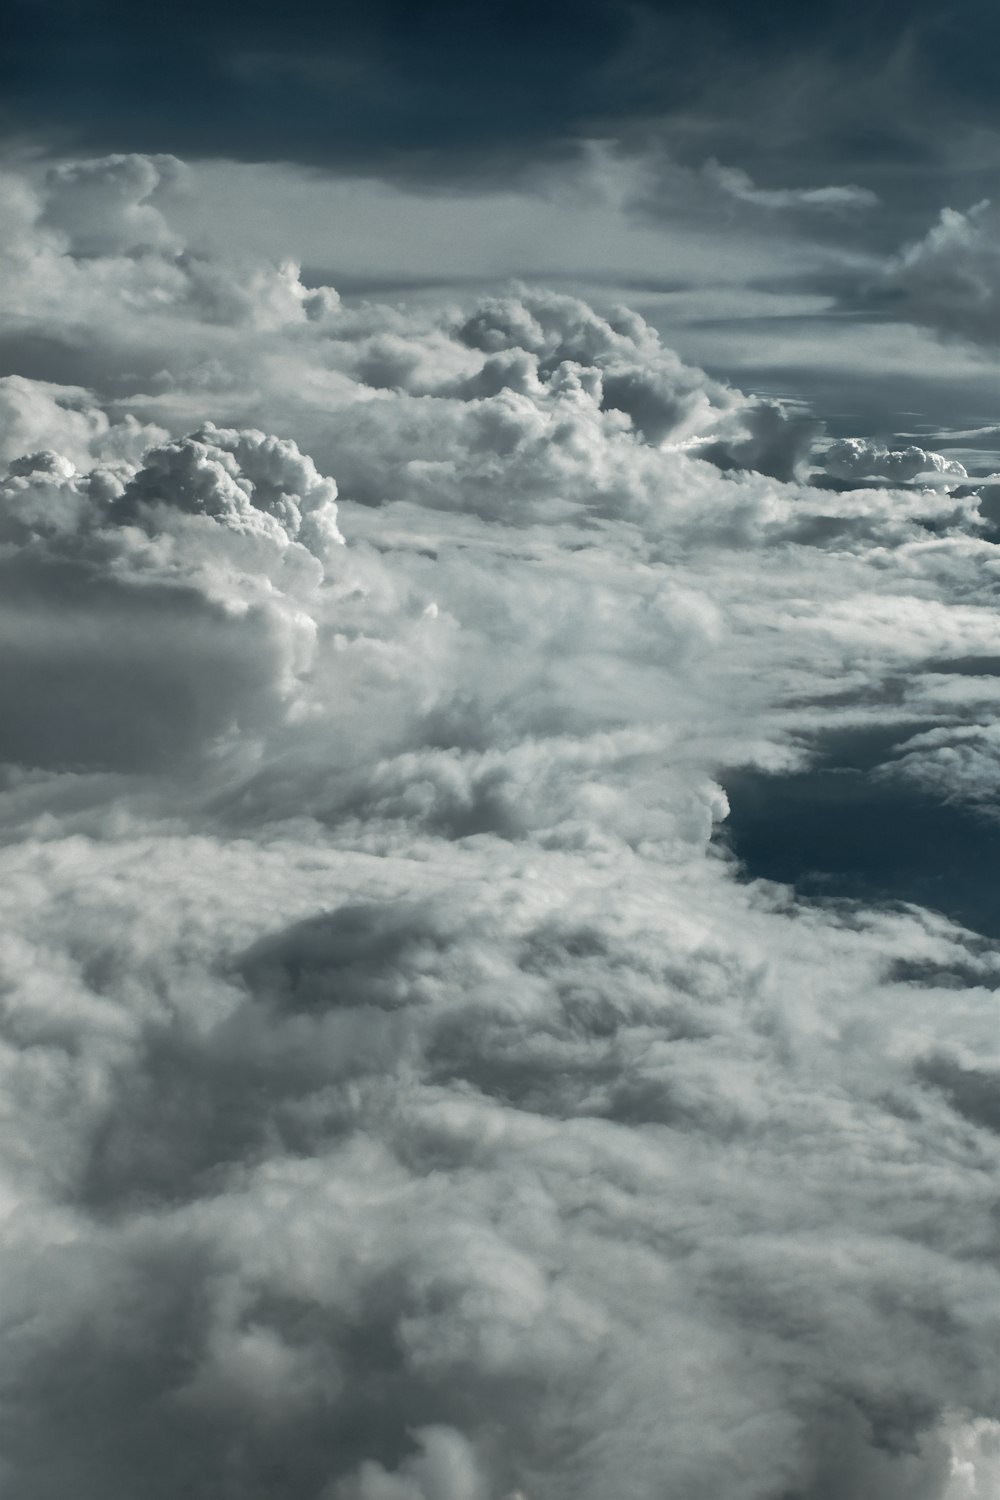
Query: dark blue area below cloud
x,y
842,832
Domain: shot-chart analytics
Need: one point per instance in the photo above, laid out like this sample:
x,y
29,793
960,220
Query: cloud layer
x,y
408,1095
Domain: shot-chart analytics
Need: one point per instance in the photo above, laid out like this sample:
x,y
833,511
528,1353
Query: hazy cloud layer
x,y
407,1096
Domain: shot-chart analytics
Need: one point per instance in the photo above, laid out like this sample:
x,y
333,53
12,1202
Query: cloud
x,y
106,206
253,485
959,763
150,608
950,279
444,1468
857,458
738,184
35,415
408,1093
430,98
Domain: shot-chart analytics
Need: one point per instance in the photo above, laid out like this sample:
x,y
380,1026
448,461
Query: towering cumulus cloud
x,y
412,1090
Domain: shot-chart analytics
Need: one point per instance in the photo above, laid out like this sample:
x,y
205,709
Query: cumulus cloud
x,y
857,458
151,607
35,415
950,279
108,206
251,484
408,1095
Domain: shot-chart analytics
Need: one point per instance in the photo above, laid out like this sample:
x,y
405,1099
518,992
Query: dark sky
x,y
455,90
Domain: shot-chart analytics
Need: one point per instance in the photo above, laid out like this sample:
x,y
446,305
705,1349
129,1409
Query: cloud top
x,y
410,1092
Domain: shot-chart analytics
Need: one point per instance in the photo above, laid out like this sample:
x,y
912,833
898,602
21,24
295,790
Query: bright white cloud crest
x,y
405,1098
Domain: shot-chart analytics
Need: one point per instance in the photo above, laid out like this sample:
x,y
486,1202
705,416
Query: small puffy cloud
x,y
264,298
859,459
250,483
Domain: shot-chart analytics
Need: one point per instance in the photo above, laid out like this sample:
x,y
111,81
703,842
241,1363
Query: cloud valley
x,y
409,1093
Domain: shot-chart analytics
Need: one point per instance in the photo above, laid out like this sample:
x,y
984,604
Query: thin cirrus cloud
x,y
413,1092
740,185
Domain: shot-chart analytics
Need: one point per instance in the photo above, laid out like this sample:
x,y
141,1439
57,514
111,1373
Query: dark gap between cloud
x,y
837,832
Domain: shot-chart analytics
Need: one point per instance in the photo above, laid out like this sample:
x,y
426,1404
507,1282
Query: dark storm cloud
x,y
464,89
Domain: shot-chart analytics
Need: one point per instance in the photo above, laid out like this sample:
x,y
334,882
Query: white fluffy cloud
x,y
108,206
856,458
405,1095
151,607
